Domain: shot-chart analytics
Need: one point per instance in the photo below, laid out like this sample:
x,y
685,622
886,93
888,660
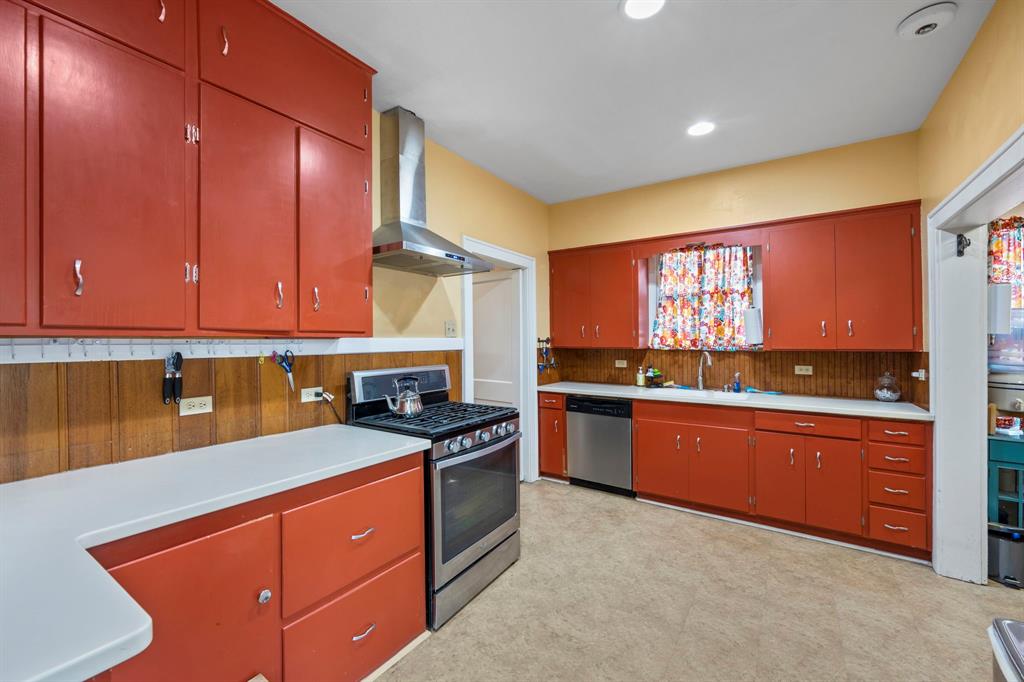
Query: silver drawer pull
x,y
264,596
78,278
360,536
896,491
356,638
316,299
280,294
890,458
227,45
896,433
804,424
163,12
548,400
901,529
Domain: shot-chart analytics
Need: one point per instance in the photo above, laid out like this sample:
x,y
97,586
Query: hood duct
x,y
403,242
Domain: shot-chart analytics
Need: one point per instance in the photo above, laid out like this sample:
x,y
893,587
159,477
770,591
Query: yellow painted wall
x,y
462,199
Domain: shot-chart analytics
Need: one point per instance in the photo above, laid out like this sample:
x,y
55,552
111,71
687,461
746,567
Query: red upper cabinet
x,y
875,281
247,199
215,606
833,484
613,289
800,287
156,27
719,467
12,163
570,300
113,185
255,50
779,476
660,462
334,237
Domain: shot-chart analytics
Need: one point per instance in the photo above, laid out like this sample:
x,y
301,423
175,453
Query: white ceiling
x,y
567,98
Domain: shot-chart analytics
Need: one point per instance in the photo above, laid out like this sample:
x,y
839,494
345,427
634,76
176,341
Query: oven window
x,y
477,496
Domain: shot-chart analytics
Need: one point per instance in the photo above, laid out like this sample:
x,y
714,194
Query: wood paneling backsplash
x,y
60,416
836,374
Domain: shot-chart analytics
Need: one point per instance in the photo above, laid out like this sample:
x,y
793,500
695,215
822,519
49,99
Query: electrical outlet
x,y
449,328
806,370
198,405
620,364
309,394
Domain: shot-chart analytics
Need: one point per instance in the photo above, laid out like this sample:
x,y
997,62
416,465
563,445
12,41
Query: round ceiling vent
x,y
927,20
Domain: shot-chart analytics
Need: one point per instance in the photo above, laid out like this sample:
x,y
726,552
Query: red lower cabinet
x,y
720,467
351,636
660,465
898,526
552,442
833,484
779,474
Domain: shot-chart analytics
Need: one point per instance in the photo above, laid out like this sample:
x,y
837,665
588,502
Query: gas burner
x,y
438,419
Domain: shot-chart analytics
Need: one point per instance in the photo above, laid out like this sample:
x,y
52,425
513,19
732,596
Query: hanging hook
x,y
42,349
152,347
110,351
12,348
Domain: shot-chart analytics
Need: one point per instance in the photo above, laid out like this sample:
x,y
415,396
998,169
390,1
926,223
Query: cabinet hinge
x,y
768,247
912,232
862,454
769,332
366,186
366,293
915,330
188,272
862,521
366,130
195,273
191,134
366,94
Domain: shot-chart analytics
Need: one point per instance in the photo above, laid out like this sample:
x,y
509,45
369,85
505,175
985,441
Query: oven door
x,y
475,505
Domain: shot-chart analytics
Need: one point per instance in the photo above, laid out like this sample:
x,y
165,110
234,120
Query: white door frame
x,y
958,297
528,344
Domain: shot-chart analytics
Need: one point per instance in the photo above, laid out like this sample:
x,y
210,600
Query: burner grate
x,y
439,418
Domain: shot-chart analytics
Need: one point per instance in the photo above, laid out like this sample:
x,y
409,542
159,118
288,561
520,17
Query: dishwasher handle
x,y
602,406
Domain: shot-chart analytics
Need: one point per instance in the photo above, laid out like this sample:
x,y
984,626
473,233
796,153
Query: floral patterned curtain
x,y
702,293
1006,256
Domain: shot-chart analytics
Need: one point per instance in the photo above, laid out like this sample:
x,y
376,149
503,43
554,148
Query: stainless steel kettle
x,y
408,402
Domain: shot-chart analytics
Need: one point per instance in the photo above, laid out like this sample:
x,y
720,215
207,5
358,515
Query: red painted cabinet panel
x,y
571,300
113,186
613,298
552,442
660,463
719,467
251,49
351,636
328,544
156,27
247,200
779,474
800,287
334,237
12,163
875,282
833,484
203,596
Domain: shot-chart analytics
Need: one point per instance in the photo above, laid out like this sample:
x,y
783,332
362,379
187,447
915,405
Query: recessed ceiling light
x,y
927,20
701,128
641,9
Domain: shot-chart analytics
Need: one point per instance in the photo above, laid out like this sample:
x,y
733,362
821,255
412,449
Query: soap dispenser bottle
x,y
640,376
736,383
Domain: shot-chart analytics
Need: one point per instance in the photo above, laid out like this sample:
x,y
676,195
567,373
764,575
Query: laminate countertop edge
x,y
63,616
788,403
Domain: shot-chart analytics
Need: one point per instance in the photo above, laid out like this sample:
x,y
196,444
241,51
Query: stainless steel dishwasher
x,y
599,443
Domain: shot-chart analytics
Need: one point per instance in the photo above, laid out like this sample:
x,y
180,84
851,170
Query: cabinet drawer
x,y
899,527
253,50
896,458
810,424
896,432
899,490
331,543
353,635
156,27
554,400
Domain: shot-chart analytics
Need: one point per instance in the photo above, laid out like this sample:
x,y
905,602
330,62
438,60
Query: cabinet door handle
x,y
817,456
597,331
227,45
896,491
792,460
360,536
316,299
582,327
366,633
264,596
849,327
678,437
890,458
901,529
556,426
823,332
163,12
698,444
79,280
280,294
804,424
896,433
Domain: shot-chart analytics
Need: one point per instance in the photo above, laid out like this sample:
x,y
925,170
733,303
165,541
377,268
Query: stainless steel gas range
x,y
472,480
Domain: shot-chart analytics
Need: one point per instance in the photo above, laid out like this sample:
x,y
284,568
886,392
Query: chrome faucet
x,y
700,369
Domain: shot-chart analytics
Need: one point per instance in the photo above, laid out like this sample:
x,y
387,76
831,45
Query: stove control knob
x,y
452,445
499,429
466,442
483,436
510,428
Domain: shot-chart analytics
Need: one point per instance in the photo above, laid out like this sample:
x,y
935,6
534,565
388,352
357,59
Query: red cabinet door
x,y
156,27
875,282
800,287
552,442
570,300
246,215
12,163
833,484
779,475
720,467
613,298
204,598
113,185
660,465
335,250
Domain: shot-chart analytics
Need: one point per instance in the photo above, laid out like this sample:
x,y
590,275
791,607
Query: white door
x,y
496,338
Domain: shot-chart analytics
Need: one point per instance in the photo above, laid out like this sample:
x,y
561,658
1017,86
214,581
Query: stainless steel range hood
x,y
403,242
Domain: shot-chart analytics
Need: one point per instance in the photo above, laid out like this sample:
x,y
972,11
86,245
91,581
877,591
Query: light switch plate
x,y
309,394
620,364
449,328
806,370
197,405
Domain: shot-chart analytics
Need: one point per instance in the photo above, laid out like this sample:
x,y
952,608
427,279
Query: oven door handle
x,y
455,461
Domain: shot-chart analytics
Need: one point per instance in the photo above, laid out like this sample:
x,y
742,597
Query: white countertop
x,y
62,616
788,403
